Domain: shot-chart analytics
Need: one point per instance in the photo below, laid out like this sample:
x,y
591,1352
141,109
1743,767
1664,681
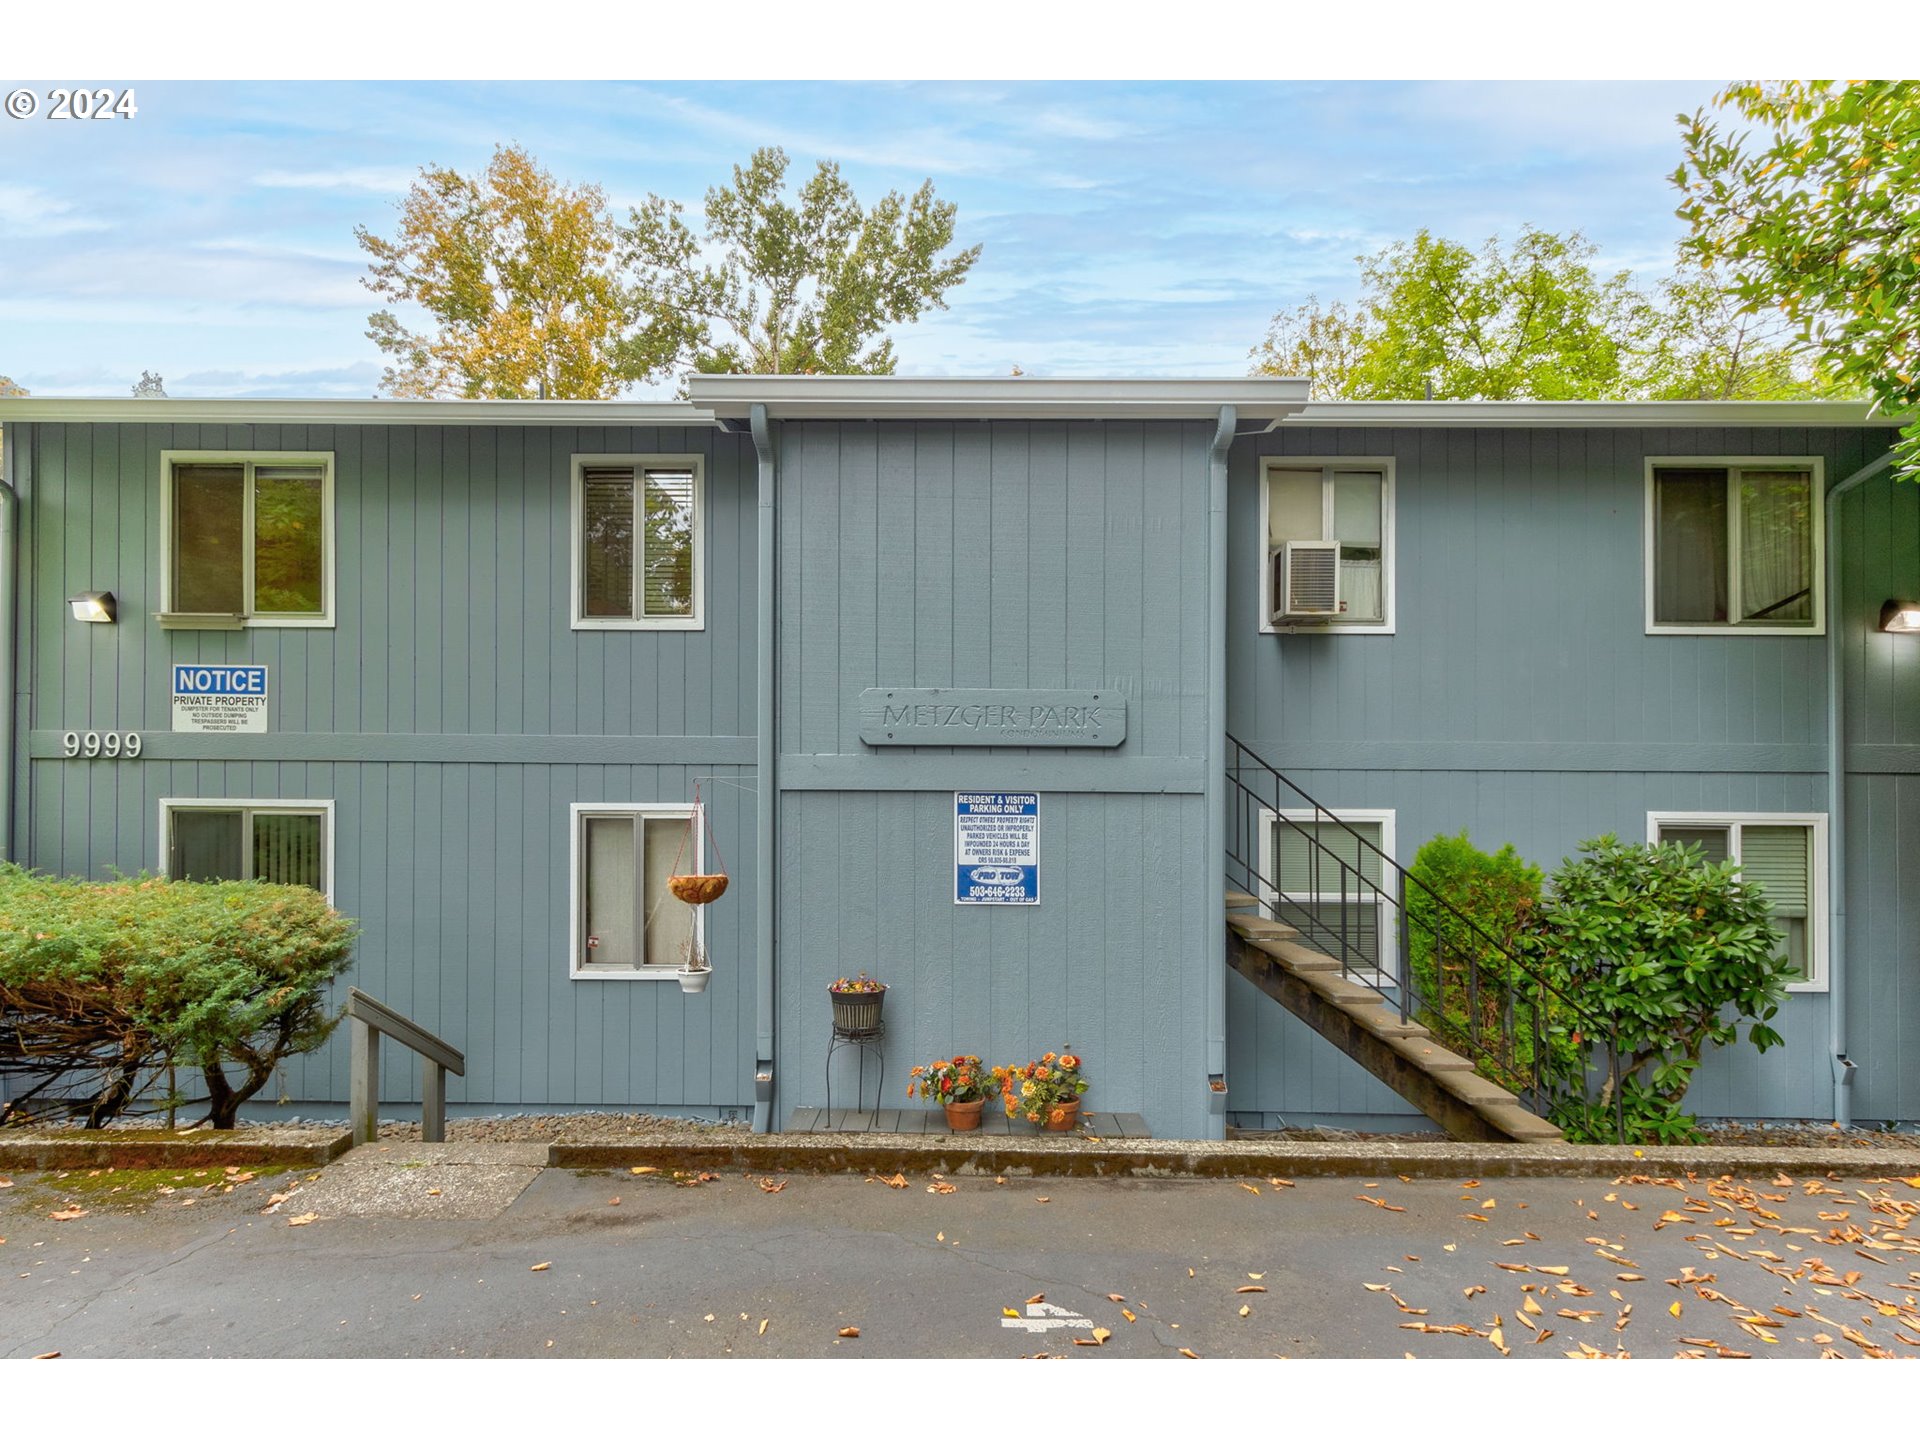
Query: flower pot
x,y
1061,1115
694,981
857,1013
697,889
964,1114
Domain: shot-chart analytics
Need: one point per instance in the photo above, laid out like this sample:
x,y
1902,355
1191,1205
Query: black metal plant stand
x,y
864,1039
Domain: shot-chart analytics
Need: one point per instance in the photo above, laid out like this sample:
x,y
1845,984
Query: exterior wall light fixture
x,y
95,607
1900,617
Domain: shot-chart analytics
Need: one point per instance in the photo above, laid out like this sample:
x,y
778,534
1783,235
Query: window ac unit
x,y
1306,580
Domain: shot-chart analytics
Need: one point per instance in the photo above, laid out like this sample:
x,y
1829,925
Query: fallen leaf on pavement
x,y
548,1265
1245,1310
772,1187
1261,1289
1101,1334
306,1219
1043,1199
763,1326
645,1170
1131,1317
1552,1269
1037,1299
48,1355
615,1200
73,1214
1256,1274
941,1187
1188,1353
894,1182
1117,1299
1009,1312
1250,1189
849,1332
1280,1184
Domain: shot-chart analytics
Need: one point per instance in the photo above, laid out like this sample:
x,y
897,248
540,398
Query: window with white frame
x,y
283,842
1785,856
638,537
1325,876
626,923
247,538
1734,545
1327,537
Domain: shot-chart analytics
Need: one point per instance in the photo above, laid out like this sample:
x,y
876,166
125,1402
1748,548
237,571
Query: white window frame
x,y
329,533
247,808
1817,902
577,816
1816,468
1389,551
1388,975
577,543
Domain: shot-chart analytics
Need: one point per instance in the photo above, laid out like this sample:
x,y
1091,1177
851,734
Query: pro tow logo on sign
x,y
220,699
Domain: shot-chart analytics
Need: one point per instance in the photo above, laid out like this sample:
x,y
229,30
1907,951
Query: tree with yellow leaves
x,y
517,274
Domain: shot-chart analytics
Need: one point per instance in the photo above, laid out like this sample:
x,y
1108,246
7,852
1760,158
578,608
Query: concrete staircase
x,y
1439,1083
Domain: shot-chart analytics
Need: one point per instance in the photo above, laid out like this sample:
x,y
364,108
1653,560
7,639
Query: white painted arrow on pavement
x,y
1046,1317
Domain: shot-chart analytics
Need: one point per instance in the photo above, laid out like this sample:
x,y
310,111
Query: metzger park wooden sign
x,y
992,717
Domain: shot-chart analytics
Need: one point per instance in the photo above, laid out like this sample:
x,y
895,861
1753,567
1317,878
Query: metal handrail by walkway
x,y
371,1020
1481,996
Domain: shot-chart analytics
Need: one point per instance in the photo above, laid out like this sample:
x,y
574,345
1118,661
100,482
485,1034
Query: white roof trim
x,y
128,411
1581,414
890,397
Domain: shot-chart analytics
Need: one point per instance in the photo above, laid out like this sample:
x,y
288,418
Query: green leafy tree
x,y
1816,215
10,390
517,275
773,285
1462,953
104,985
1531,320
1674,954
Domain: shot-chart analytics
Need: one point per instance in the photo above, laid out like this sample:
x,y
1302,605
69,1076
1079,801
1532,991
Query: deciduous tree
x,y
1815,215
773,285
516,274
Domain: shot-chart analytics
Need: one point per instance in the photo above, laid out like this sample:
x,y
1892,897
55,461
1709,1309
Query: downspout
x,y
765,878
1844,1069
1216,897
9,567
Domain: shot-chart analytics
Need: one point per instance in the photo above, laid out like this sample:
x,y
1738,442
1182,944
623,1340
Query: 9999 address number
x,y
100,745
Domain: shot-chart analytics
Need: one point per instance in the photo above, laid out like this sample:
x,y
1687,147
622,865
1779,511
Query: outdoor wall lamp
x,y
1900,617
95,607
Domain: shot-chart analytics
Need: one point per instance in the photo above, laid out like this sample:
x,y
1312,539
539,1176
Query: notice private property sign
x,y
220,699
996,848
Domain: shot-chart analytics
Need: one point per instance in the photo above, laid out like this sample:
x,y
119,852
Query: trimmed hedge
x,y
104,985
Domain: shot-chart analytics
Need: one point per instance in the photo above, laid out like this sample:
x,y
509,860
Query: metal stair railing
x,y
1478,995
370,1020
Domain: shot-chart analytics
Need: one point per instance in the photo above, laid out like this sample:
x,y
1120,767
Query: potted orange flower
x,y
1046,1091
963,1085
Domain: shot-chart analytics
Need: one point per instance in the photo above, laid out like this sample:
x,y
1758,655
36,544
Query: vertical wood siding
x,y
452,623
1522,700
1027,555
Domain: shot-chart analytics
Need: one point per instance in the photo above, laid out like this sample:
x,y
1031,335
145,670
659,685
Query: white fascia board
x,y
890,397
1585,414
128,411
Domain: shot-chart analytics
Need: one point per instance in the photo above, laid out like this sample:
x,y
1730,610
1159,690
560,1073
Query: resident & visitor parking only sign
x,y
220,699
996,848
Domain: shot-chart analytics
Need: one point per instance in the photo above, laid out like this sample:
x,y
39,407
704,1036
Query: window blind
x,y
1298,857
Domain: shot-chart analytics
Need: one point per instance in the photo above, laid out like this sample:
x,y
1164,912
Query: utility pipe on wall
x,y
9,568
765,748
1844,1069
1216,899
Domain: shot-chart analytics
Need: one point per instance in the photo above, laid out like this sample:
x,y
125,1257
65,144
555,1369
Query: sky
x,y
1127,228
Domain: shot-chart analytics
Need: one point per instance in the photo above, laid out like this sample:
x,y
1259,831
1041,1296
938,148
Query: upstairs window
x,y
638,532
1328,533
1734,545
1785,856
248,540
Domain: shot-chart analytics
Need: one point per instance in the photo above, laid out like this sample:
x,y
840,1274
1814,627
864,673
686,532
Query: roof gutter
x,y
1844,1069
767,800
1215,952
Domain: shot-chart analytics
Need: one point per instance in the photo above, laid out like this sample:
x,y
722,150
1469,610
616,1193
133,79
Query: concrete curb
x,y
1231,1159
262,1146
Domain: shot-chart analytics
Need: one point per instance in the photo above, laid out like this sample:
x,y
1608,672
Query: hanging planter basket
x,y
692,981
697,889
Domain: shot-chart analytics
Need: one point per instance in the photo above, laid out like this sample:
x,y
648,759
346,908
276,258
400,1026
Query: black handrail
x,y
1481,997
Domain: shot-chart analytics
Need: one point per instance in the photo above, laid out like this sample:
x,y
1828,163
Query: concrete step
x,y
1428,1053
1258,927
1240,900
1297,957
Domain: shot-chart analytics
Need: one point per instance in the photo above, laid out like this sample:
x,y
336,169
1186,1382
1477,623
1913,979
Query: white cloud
x,y
29,210
376,179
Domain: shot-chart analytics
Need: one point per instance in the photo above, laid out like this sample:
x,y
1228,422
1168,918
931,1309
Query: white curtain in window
x,y
1296,509
669,920
610,885
1776,545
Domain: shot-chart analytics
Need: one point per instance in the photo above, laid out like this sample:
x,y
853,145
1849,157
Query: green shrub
x,y
104,984
1675,954
1490,898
